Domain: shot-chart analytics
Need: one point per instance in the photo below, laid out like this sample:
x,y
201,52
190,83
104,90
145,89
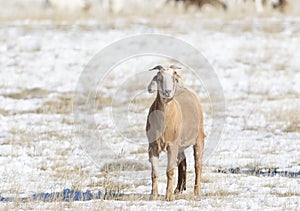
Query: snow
x,y
40,152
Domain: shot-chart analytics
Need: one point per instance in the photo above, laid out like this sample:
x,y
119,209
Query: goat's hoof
x,y
170,197
153,197
197,192
177,191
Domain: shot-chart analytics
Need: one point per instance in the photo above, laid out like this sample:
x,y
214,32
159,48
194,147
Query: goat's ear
x,y
152,87
158,67
174,67
178,79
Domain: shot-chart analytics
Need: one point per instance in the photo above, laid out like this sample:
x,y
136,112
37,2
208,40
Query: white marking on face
x,y
167,83
169,71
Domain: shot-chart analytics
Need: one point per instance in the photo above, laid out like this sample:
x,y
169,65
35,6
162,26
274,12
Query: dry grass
x,y
124,166
289,193
62,105
36,11
101,101
27,137
141,150
4,112
206,179
270,185
292,118
263,54
28,94
285,118
221,193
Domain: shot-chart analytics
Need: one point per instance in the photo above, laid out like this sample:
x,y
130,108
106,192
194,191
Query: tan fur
x,y
181,128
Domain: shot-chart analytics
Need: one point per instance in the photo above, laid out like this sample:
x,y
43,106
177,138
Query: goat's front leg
x,y
153,158
172,157
154,176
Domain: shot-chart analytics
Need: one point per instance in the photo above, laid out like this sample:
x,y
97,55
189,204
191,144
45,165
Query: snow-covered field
x,y
256,60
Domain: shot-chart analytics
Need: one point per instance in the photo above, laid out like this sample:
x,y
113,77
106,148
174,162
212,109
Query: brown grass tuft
x,y
124,166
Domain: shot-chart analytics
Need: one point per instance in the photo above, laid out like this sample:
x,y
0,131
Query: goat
x,y
261,5
201,3
279,4
174,122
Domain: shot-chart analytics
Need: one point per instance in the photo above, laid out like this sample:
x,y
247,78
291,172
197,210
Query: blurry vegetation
x,y
106,10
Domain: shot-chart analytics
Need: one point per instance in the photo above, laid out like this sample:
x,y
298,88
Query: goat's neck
x,y
160,105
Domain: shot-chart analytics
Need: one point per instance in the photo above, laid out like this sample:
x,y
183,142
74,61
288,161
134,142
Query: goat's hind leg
x,y
198,151
181,185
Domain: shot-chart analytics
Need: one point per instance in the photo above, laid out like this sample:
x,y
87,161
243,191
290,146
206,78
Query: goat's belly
x,y
188,138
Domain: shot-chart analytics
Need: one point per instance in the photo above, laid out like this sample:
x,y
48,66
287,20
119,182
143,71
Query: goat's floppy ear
x,y
152,87
174,67
178,79
158,67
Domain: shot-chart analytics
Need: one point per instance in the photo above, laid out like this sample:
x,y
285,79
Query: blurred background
x,y
253,46
98,9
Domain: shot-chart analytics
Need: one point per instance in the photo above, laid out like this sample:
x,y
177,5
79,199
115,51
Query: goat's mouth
x,y
166,99
167,96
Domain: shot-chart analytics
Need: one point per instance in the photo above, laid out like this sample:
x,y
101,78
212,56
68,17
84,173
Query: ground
x,y
256,60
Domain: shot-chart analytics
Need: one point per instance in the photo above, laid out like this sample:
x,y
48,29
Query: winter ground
x,y
256,60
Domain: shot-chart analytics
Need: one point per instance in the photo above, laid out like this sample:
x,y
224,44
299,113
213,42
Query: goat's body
x,y
192,120
166,132
183,120
179,126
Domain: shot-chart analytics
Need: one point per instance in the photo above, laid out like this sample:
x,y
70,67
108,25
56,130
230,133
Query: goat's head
x,y
166,82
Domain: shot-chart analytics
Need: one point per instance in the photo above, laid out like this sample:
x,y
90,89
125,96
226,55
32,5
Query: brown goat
x,y
201,3
175,122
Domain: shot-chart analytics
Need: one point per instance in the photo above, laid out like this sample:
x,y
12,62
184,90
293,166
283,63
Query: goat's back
x,y
192,116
